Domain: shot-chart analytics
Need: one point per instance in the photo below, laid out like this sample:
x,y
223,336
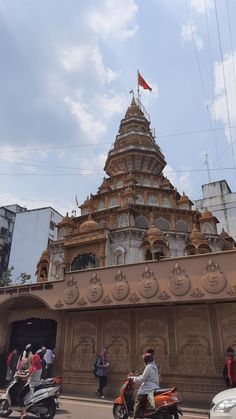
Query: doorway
x,y
38,332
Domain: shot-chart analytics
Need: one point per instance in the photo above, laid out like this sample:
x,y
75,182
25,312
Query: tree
x,y
6,279
23,278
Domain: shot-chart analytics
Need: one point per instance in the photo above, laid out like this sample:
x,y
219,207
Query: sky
x,y
67,68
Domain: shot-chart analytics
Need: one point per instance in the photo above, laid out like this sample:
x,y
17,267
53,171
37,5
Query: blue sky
x,y
67,67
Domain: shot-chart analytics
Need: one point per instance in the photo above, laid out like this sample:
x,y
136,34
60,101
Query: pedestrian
x,y
25,360
149,382
41,352
231,367
49,357
102,369
12,360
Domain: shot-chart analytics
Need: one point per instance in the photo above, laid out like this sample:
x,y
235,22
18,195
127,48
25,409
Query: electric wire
x,y
231,43
212,83
225,88
200,71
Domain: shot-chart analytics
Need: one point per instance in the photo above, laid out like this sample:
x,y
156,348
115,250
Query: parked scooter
x,y
166,403
42,403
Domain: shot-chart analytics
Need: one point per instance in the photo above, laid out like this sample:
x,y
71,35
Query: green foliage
x,y
5,279
23,278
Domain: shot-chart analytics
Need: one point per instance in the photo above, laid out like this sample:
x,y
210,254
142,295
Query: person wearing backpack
x,y
231,368
101,371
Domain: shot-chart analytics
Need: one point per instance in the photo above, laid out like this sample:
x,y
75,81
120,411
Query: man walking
x,y
49,358
231,367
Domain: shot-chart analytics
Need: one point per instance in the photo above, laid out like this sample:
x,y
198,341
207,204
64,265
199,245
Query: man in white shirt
x,y
149,382
49,358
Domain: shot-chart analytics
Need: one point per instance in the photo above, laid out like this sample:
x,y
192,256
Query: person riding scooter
x,y
34,377
149,382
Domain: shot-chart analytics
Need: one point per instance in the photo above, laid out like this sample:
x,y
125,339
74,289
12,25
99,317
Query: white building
x,y
7,220
218,198
33,230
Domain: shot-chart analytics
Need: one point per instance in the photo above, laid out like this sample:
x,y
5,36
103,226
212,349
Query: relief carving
x,y
197,293
120,288
71,293
232,291
59,304
179,282
95,291
164,296
82,357
195,356
214,281
134,298
107,299
148,284
117,343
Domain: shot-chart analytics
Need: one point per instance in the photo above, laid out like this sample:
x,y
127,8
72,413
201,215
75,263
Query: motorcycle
x,y
42,402
166,402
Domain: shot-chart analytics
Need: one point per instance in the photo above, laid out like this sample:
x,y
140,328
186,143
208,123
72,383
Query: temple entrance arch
x,y
38,332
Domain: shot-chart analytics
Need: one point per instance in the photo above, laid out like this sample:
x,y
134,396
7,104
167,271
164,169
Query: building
x,y
136,215
7,220
33,230
139,268
221,201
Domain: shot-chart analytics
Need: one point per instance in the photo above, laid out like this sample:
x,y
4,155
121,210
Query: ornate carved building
x,y
136,215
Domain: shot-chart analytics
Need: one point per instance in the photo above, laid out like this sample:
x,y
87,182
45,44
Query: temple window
x,y
119,184
146,182
112,202
84,261
203,248
182,226
123,221
207,228
155,183
166,202
162,224
152,199
101,205
141,222
139,199
61,233
148,255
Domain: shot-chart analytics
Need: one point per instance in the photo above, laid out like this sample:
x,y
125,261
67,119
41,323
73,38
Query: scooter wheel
x,y
5,410
119,411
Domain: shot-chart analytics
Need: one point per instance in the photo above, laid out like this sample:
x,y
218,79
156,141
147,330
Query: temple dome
x,y
66,220
44,256
155,232
88,225
206,214
196,236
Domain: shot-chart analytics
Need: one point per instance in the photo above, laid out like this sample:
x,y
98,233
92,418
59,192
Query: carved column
x,y
173,356
216,344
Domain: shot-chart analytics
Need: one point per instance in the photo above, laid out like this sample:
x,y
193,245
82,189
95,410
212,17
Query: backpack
x,y
95,367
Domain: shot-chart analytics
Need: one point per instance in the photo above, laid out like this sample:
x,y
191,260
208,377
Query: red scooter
x,y
166,403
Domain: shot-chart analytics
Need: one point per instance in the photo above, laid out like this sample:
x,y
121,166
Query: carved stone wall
x,y
189,343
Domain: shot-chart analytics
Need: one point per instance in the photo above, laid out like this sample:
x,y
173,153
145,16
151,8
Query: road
x,y
74,409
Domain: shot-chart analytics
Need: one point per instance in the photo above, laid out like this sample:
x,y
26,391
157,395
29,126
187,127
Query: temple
x,y
136,215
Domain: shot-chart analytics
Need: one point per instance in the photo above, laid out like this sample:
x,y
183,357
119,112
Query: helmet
x,y
147,357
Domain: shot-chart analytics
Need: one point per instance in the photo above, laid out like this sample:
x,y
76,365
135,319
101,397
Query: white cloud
x,y
188,33
114,19
93,164
110,104
181,180
82,57
91,127
219,104
35,202
200,5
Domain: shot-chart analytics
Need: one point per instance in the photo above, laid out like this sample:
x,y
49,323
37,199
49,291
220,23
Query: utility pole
x,y
208,169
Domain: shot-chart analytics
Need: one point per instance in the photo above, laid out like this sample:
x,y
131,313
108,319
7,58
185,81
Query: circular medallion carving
x,y
148,288
148,284
71,295
214,280
95,293
120,290
179,282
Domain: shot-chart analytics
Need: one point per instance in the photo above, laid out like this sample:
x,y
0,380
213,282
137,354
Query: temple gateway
x,y
138,268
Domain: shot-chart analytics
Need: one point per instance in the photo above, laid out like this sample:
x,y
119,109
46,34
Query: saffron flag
x,y
143,83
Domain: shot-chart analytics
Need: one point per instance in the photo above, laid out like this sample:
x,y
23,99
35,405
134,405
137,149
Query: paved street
x,y
74,409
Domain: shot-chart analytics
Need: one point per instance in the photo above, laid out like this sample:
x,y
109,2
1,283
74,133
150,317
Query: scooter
x,y
42,402
166,402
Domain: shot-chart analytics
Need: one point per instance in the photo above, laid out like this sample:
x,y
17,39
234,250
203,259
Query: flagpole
x,y
138,88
